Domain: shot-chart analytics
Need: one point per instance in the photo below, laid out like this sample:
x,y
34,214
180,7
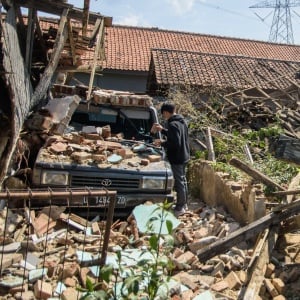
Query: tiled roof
x,y
172,67
129,48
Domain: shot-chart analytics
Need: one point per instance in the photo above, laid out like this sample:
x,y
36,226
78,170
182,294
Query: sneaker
x,y
179,212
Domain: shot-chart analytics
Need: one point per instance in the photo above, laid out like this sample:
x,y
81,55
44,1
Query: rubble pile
x,y
90,147
49,253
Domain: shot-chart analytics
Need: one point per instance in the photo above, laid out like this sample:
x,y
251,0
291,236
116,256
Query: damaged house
x,y
80,50
28,64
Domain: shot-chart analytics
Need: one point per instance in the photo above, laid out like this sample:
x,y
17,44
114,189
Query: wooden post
x,y
210,146
72,44
98,41
30,38
85,19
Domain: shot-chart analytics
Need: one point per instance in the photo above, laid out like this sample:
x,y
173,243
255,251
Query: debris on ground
x,y
49,253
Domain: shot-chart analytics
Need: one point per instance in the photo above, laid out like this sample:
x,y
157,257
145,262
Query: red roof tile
x,y
224,71
129,48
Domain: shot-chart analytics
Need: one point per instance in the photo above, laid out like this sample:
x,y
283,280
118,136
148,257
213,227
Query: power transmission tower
x,y
281,28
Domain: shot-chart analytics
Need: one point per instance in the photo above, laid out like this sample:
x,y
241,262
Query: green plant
x,y
154,271
91,292
279,171
226,168
143,280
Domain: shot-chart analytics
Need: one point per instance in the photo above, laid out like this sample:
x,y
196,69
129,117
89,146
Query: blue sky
x,y
231,18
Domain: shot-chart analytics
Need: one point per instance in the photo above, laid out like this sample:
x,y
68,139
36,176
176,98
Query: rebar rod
x,y
40,194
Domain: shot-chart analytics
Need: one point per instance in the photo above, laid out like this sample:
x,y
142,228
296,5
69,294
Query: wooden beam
x,y
229,100
41,40
262,91
254,173
256,266
93,36
210,146
249,231
72,44
96,54
277,78
45,81
280,89
78,69
85,19
289,192
30,38
57,8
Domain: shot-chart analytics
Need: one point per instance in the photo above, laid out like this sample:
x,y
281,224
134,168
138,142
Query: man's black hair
x,y
168,106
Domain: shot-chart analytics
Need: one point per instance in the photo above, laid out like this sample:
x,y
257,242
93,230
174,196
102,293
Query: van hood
x,y
75,151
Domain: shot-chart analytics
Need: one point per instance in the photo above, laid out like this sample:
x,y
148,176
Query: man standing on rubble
x,y
178,151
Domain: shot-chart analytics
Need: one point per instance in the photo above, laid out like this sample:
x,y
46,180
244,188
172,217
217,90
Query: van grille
x,y
116,183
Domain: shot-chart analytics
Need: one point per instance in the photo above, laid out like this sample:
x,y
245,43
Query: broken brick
x,y
42,289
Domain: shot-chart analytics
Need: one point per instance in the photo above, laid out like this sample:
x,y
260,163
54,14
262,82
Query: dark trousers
x,y
180,185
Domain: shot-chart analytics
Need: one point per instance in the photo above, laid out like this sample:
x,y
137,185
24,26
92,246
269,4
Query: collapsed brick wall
x,y
215,189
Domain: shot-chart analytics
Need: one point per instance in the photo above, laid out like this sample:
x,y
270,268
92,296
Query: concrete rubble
x,y
45,257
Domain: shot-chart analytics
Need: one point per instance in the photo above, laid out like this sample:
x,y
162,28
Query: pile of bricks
x,y
47,255
91,148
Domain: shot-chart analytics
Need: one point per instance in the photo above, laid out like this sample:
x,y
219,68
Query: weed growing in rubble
x,y
234,145
279,171
154,269
91,291
145,279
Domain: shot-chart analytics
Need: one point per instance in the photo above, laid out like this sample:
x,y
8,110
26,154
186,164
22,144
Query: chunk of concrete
x,y
143,213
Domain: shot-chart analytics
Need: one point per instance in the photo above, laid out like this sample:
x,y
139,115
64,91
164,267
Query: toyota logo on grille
x,y
106,182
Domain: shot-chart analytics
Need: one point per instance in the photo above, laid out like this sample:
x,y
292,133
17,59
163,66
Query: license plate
x,y
103,201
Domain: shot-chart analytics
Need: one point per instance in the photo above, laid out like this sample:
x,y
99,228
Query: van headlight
x,y
55,178
153,183
170,183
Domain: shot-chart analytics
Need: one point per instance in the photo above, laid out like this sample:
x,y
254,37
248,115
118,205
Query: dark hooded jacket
x,y
177,143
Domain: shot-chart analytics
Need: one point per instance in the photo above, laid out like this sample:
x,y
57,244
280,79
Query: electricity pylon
x,y
281,28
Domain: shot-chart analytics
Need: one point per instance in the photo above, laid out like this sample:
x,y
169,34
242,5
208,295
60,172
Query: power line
x,y
217,7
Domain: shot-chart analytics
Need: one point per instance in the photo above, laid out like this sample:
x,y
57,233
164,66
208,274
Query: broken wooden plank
x,y
57,7
249,231
284,193
72,44
45,81
254,173
200,143
255,269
